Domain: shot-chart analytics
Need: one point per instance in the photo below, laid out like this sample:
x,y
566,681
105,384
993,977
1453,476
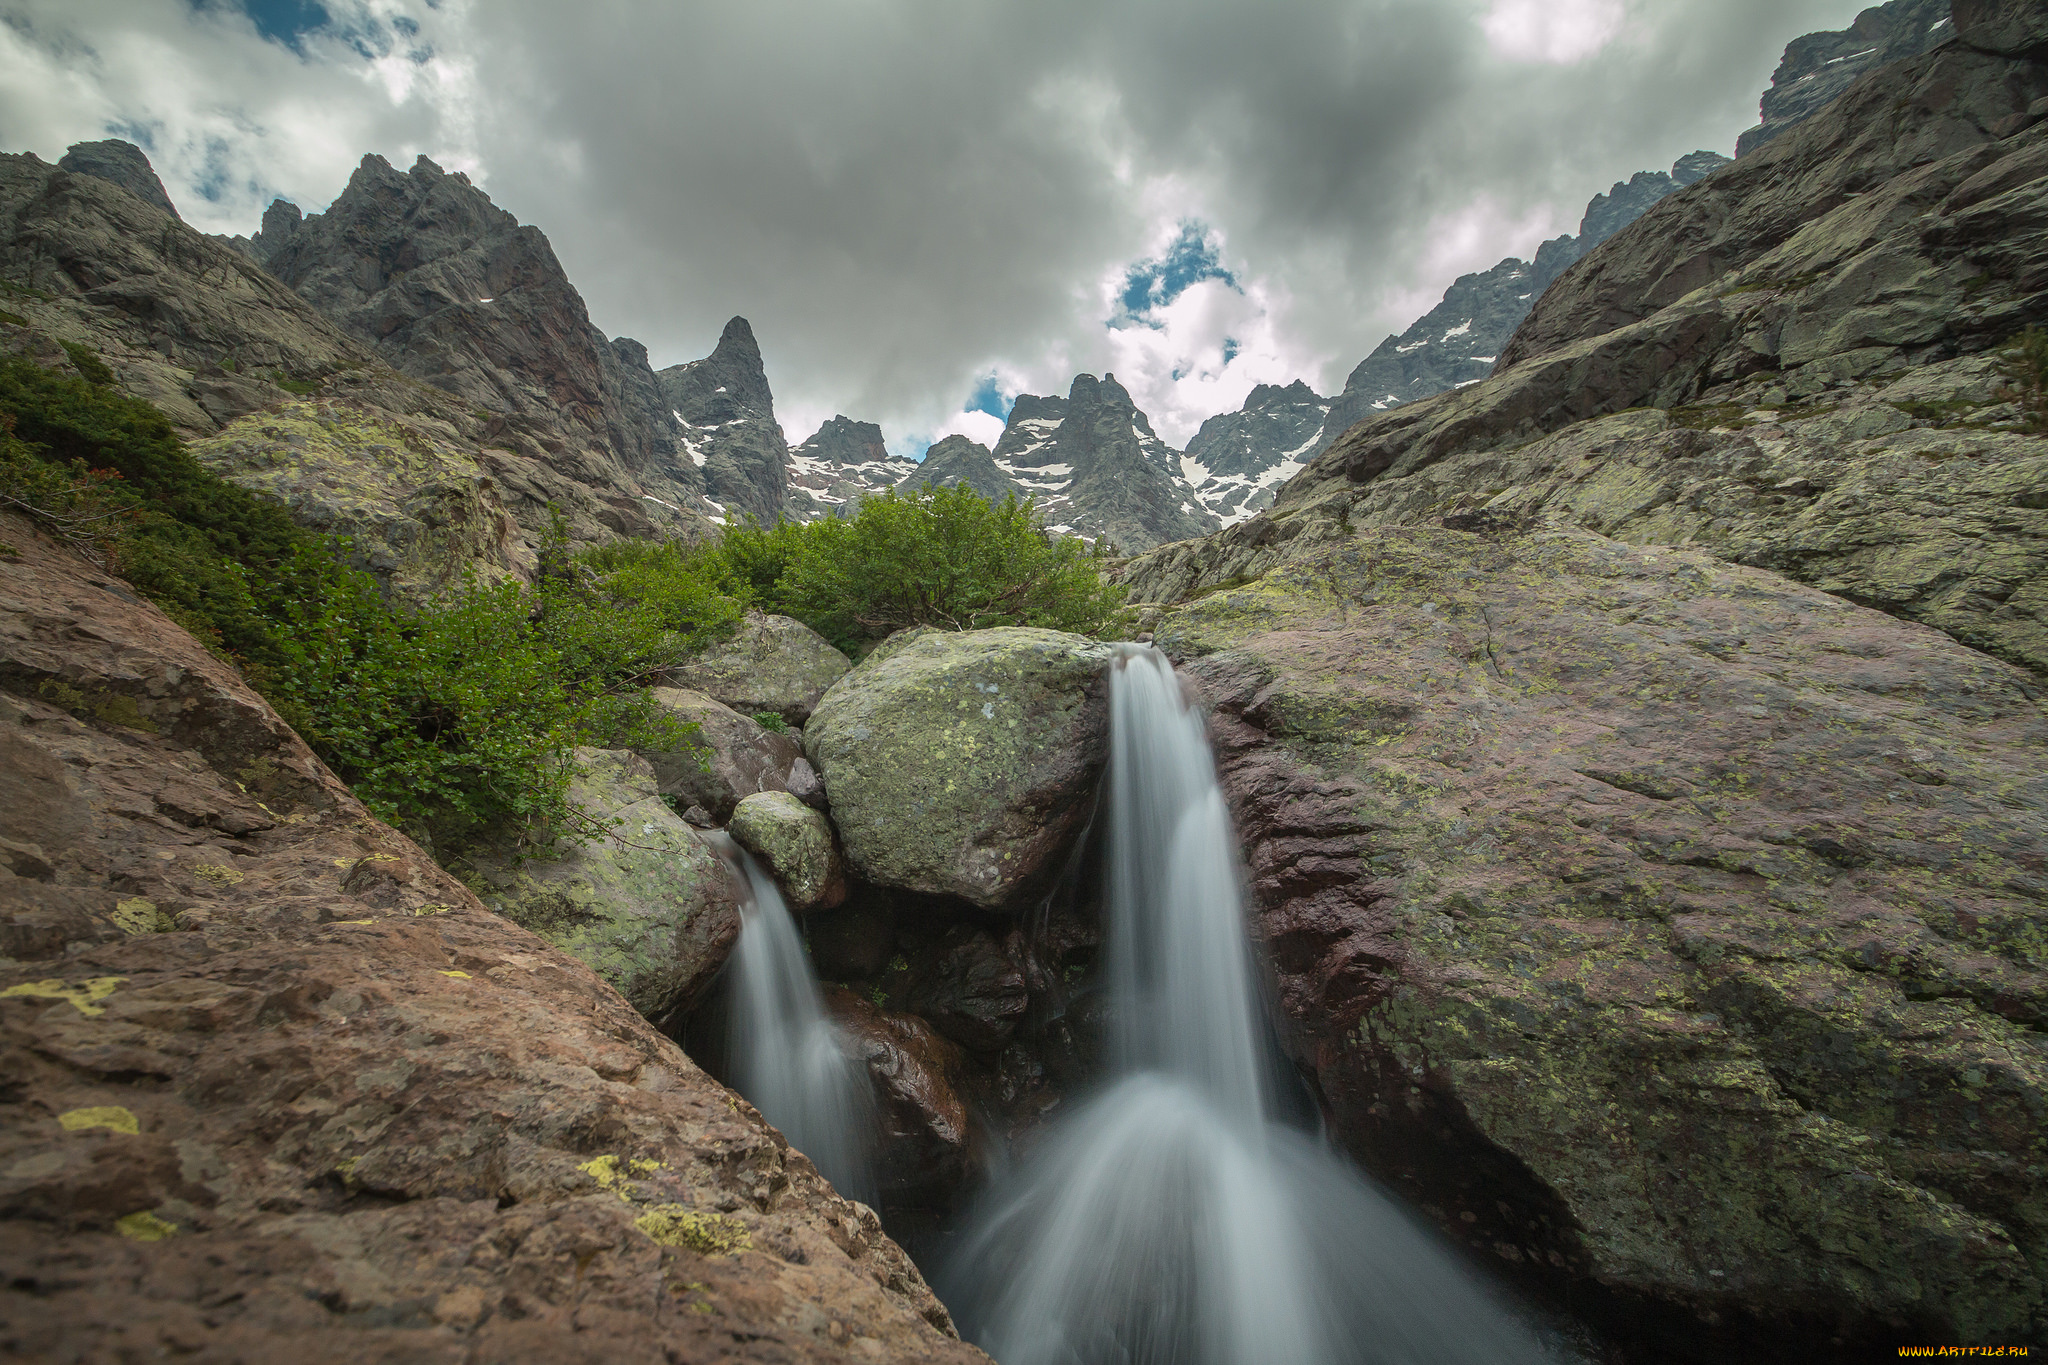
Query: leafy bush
x,y
456,721
944,557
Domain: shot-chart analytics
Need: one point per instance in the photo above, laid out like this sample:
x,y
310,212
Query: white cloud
x,y
975,426
1562,32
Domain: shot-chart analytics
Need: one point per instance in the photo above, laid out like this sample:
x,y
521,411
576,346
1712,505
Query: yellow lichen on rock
x,y
136,915
100,1116
145,1227
707,1234
82,996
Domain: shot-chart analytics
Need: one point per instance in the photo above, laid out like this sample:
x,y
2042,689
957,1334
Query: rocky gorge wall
x,y
278,1086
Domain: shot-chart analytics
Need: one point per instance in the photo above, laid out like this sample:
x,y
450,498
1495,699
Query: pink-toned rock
x,y
278,1088
1665,925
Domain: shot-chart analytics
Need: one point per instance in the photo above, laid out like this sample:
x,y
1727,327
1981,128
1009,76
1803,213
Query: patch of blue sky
x,y
1193,257
989,397
1230,349
286,21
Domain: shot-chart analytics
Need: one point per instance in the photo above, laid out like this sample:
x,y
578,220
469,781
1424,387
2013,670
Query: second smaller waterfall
x,y
783,1052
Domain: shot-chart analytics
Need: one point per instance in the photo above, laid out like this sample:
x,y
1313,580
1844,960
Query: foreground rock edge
x,y
264,1056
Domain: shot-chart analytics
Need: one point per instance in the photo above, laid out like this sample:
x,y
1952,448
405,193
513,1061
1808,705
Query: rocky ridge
x,y
452,290
1819,66
726,417
1459,340
1238,460
276,395
1096,468
957,460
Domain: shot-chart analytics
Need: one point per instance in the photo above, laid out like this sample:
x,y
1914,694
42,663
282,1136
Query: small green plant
x,y
88,363
770,720
2025,361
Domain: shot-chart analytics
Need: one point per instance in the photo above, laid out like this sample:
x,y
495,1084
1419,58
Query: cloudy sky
x,y
927,206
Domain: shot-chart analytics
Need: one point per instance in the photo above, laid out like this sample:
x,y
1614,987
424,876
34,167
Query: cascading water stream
x,y
1172,1220
784,1054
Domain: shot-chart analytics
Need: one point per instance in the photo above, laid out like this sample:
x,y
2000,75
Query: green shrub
x,y
456,721
944,557
771,720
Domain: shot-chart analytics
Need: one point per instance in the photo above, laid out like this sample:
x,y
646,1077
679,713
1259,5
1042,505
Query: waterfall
x,y
1173,1220
784,1054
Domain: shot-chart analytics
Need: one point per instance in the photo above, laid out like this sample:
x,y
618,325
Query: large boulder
x,y
644,903
1664,924
796,844
279,1088
737,757
965,763
773,664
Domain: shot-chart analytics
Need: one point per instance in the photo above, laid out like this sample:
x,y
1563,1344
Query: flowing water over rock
x,y
784,1054
1174,1219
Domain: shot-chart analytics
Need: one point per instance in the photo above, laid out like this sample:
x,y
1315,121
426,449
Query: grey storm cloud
x,y
905,195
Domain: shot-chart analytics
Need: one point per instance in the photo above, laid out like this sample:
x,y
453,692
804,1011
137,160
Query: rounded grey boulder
x,y
646,905
796,843
965,763
773,664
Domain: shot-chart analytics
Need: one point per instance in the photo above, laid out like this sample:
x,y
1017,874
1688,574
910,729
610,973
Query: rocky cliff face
x,y
843,462
1819,66
1459,341
450,289
1096,468
278,396
1238,460
727,424
280,1088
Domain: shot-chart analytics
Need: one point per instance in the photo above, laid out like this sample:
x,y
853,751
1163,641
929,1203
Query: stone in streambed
x,y
927,1149
796,844
646,905
965,763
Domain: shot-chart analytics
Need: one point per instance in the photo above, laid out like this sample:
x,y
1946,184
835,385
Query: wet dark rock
x,y
856,941
928,1149
970,986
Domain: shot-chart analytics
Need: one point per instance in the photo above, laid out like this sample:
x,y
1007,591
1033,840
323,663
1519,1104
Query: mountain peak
x,y
118,163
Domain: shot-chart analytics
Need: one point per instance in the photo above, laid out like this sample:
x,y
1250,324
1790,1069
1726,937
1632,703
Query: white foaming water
x,y
1172,1221
784,1054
